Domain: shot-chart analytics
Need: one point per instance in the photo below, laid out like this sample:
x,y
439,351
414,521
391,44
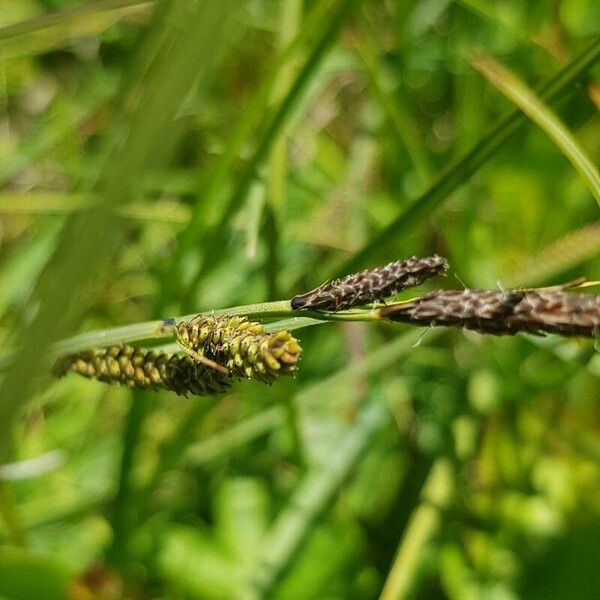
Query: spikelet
x,y
143,368
371,285
563,313
504,312
240,345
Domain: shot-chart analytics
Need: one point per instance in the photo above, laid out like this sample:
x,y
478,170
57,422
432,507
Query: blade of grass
x,y
194,33
403,126
277,171
422,526
493,15
44,203
90,238
278,120
290,20
463,168
272,262
520,94
23,267
210,207
64,122
223,443
311,499
8,511
52,515
123,513
47,32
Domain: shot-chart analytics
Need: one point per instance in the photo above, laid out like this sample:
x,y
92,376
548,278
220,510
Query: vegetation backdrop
x,y
164,158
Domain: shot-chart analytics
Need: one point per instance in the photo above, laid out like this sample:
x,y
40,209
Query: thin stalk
x,y
279,315
160,329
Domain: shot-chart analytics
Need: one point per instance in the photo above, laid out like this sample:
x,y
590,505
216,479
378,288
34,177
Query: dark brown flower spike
x,y
504,312
371,285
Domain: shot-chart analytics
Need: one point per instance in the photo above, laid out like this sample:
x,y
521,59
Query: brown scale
x,y
559,312
504,312
371,285
143,368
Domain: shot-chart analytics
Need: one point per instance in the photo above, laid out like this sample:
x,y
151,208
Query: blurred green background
x,y
165,158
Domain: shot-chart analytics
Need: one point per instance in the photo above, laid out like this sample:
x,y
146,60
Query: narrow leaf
x,y
528,101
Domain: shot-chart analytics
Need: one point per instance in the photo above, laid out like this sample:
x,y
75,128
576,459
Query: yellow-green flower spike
x,y
143,368
242,346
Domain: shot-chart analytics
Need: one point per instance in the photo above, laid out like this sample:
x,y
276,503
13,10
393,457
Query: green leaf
x,y
516,90
242,511
47,32
310,499
27,576
193,563
468,164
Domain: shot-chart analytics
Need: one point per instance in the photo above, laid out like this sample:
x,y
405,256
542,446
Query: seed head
x,y
242,346
371,285
143,368
504,312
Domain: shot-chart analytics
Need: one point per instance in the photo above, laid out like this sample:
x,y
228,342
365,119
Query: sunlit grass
x,y
165,159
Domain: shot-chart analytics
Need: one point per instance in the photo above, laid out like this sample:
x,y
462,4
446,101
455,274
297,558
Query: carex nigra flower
x,y
144,368
371,285
240,345
504,312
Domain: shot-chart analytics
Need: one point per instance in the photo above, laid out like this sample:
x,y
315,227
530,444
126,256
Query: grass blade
x,y
90,238
461,170
422,526
278,120
519,93
210,208
404,128
52,203
310,499
47,32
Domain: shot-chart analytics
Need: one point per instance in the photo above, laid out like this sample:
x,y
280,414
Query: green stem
x,y
156,330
